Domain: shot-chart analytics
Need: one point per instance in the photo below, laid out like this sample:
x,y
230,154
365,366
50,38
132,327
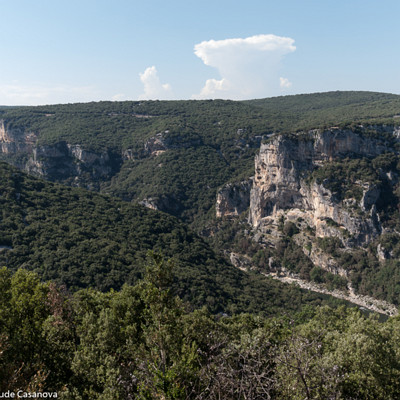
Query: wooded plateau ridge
x,y
142,246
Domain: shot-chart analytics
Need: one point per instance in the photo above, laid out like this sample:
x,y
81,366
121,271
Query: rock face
x,y
13,140
281,189
233,199
63,160
159,144
168,204
60,161
164,141
155,145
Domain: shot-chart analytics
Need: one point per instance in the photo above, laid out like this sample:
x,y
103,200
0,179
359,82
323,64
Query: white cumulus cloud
x,y
248,67
214,88
153,88
285,83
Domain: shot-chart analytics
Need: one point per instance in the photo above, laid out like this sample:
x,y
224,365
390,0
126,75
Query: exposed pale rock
x,y
59,161
128,154
370,197
13,140
155,144
281,189
326,262
240,261
149,203
233,199
166,203
87,157
382,253
162,142
367,302
63,160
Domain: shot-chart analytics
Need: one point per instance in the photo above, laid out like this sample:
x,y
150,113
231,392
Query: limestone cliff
x,y
61,161
233,199
165,203
13,140
282,190
66,161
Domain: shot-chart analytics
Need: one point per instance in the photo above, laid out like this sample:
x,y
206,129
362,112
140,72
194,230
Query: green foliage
x,y
142,343
24,309
332,281
302,112
344,178
83,239
198,137
166,362
290,229
291,257
208,142
330,245
317,275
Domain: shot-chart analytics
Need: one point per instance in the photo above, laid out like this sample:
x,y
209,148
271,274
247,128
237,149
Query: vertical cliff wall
x,y
233,199
282,188
60,161
16,140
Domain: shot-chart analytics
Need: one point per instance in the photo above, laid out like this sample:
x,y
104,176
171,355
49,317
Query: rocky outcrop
x,y
63,160
164,141
16,140
326,262
70,163
281,189
366,302
155,145
166,203
233,199
129,154
382,253
240,261
150,202
159,144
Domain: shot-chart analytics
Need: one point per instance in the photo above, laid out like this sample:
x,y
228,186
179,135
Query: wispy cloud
x,y
20,94
248,67
119,97
153,88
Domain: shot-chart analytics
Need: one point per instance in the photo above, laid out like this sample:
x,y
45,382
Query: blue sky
x,y
88,50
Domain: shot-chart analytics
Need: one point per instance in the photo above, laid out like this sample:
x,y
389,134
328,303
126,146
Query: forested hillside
x,y
176,156
175,153
82,239
136,239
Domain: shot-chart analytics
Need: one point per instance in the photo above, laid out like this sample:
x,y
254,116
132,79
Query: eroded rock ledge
x,y
295,185
61,161
233,199
281,188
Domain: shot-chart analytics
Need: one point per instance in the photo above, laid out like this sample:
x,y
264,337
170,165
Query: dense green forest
x,y
208,142
204,145
83,239
142,343
103,298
